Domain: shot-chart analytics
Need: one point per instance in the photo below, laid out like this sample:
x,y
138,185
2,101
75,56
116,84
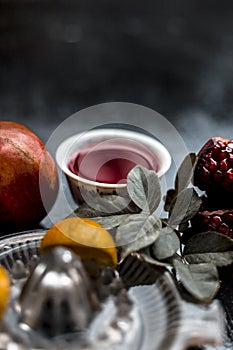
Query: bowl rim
x,y
144,139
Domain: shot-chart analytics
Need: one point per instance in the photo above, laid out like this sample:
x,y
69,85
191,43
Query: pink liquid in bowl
x,y
110,161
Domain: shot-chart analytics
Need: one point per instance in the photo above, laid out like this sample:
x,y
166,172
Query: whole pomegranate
x,y
26,169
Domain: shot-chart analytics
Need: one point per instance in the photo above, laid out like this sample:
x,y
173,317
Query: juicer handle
x,y
201,324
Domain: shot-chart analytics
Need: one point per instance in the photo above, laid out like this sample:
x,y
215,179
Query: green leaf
x,y
166,245
137,232
185,172
209,247
193,207
218,259
113,221
183,226
200,280
169,199
105,205
184,207
145,254
85,211
144,189
208,242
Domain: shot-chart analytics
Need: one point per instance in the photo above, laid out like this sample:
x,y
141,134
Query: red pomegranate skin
x,y
26,169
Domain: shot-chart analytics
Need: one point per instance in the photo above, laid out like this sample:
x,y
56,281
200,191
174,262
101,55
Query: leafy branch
x,y
159,241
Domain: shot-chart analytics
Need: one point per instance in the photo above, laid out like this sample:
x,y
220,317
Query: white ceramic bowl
x,y
152,149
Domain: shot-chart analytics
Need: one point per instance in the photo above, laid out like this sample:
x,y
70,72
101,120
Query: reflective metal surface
x,y
147,317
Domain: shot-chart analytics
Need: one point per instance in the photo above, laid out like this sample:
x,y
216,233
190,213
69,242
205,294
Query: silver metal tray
x,y
167,322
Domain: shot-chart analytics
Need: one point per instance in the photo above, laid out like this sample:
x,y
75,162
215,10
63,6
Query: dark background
x,y
174,56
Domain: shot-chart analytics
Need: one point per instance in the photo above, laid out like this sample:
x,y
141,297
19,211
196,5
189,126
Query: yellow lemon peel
x,y
85,237
4,290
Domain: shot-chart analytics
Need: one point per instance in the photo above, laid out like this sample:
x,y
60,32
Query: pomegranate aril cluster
x,y
219,220
214,175
215,165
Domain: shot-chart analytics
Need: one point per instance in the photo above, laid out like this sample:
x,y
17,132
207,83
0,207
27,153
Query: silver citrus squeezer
x,y
62,297
56,304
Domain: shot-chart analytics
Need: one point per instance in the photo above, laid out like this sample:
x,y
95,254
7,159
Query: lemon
x,y
85,237
4,290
